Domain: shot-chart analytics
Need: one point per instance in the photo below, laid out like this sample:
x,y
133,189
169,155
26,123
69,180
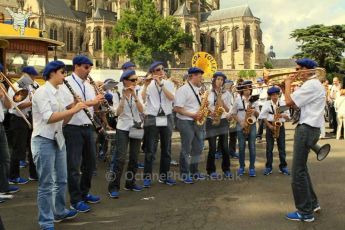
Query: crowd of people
x,y
68,112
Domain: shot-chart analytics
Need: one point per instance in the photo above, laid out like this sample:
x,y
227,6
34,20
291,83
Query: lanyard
x,y
130,105
81,89
197,97
273,111
160,98
244,106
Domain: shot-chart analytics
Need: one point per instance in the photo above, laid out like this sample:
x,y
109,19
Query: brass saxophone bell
x,y
321,151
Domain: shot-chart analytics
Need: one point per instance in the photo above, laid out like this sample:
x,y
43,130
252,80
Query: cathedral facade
x,y
233,35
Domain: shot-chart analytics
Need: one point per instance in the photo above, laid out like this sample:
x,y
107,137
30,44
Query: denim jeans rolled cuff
x,y
251,137
155,133
192,143
51,168
4,160
281,147
304,194
119,159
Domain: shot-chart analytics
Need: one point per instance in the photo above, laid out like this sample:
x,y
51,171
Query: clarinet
x,y
97,126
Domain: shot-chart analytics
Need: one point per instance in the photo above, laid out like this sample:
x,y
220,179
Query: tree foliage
x,y
324,44
143,35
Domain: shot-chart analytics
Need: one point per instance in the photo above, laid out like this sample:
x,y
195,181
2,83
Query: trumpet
x,y
278,78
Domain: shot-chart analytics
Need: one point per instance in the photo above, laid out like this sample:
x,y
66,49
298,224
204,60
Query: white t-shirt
x,y
153,101
47,100
2,108
310,98
185,98
125,119
85,91
340,105
263,94
240,111
268,113
212,98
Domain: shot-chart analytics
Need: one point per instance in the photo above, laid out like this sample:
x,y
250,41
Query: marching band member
x,y
128,120
310,98
187,105
5,188
158,124
262,91
79,134
218,99
244,109
269,114
20,132
48,146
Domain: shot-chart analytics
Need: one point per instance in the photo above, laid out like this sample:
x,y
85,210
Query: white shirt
x,y
185,98
47,100
26,111
2,108
340,105
156,98
125,119
310,98
263,94
267,112
334,92
240,111
85,91
212,98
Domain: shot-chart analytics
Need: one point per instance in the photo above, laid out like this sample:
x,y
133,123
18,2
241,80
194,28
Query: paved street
x,y
242,203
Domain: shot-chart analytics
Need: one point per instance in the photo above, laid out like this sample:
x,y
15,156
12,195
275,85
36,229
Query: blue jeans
x,y
51,166
192,143
270,146
242,145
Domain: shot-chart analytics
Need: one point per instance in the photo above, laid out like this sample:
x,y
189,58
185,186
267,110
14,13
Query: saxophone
x,y
218,109
249,119
277,124
203,110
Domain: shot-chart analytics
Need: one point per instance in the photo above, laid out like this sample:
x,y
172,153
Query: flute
x,y
97,126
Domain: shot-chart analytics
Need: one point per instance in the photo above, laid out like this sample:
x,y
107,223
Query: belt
x,y
84,125
309,126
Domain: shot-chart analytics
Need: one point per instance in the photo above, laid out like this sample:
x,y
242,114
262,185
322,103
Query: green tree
x,y
143,35
268,65
324,44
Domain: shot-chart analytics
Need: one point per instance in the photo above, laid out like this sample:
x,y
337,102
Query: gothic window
x,y
188,30
222,41
161,6
259,34
98,35
173,6
203,42
235,38
212,45
33,25
53,32
107,32
247,38
69,40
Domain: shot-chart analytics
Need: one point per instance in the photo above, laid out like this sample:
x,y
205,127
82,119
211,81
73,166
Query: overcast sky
x,y
280,17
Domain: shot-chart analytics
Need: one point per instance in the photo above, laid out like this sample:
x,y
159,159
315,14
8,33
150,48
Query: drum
x,y
110,135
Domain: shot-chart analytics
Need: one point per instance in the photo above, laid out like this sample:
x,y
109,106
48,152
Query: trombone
x,y
19,95
12,103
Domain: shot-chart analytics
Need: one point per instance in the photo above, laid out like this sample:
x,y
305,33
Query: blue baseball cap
x,y
306,62
273,90
127,65
229,81
126,74
82,59
51,67
154,65
195,70
108,97
260,80
30,70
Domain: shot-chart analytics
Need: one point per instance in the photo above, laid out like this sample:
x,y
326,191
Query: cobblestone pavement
x,y
241,203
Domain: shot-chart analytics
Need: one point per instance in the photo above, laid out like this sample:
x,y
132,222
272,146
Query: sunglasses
x,y
133,80
159,69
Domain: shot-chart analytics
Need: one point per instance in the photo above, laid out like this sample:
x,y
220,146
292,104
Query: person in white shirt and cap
x,y
79,134
158,124
260,89
187,105
48,145
310,99
271,113
20,132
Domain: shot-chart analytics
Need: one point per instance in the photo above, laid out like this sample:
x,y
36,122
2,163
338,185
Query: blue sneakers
x,y
70,215
285,171
317,209
240,171
296,216
92,199
214,176
218,155
81,206
114,194
140,165
147,183
199,176
167,181
22,164
11,190
18,180
267,171
135,188
227,174
188,180
252,173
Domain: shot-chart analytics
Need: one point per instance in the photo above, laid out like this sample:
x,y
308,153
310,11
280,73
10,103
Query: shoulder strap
x,y
196,95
